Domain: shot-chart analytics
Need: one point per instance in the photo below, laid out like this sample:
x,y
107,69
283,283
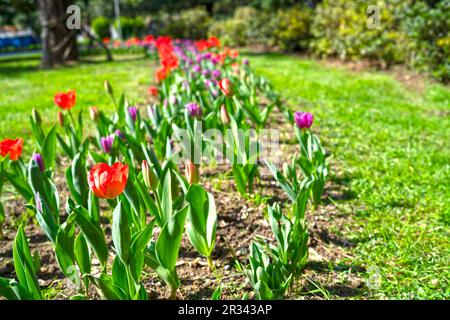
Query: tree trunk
x,y
58,42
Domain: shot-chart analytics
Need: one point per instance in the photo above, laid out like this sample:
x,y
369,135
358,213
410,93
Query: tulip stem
x,y
72,119
173,294
210,263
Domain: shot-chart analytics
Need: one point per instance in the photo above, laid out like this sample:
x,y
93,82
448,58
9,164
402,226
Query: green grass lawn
x,y
390,148
24,87
388,145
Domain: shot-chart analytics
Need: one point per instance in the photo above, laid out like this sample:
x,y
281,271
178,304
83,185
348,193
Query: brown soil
x,y
239,221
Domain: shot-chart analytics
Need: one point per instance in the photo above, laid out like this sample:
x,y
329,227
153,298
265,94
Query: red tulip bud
x,y
61,118
93,112
224,116
192,174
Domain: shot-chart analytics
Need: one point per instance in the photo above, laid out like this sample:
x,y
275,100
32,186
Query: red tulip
x,y
233,53
202,45
161,74
153,91
226,87
65,101
11,147
191,171
213,42
108,182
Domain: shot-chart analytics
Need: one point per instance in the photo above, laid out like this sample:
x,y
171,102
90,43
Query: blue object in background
x,y
20,42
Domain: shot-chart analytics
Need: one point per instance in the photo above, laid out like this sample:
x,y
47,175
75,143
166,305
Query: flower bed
x,y
207,115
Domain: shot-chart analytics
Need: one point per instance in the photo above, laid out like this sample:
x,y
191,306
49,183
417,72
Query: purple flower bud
x,y
207,83
120,134
207,55
215,93
107,143
246,62
133,111
205,73
215,60
304,120
194,109
39,161
196,68
216,73
199,59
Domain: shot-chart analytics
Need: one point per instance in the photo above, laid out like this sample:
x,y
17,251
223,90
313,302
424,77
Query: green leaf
x,y
121,234
137,251
24,266
48,150
64,250
149,202
240,179
202,223
107,288
93,233
166,198
12,290
168,243
82,254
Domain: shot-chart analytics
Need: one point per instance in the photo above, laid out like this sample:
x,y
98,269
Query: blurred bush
x,y
246,27
340,28
429,31
189,24
292,28
101,26
131,27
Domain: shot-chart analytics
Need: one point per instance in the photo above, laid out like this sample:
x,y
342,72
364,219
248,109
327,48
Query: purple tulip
x,y
119,134
107,143
216,73
215,60
304,120
207,56
133,111
196,68
39,161
194,109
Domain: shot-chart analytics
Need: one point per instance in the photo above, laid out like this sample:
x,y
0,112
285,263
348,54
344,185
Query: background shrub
x,y
246,27
292,28
131,27
339,28
191,23
101,26
428,27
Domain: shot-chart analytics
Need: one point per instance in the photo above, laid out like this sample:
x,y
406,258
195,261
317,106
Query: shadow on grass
x,y
339,289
